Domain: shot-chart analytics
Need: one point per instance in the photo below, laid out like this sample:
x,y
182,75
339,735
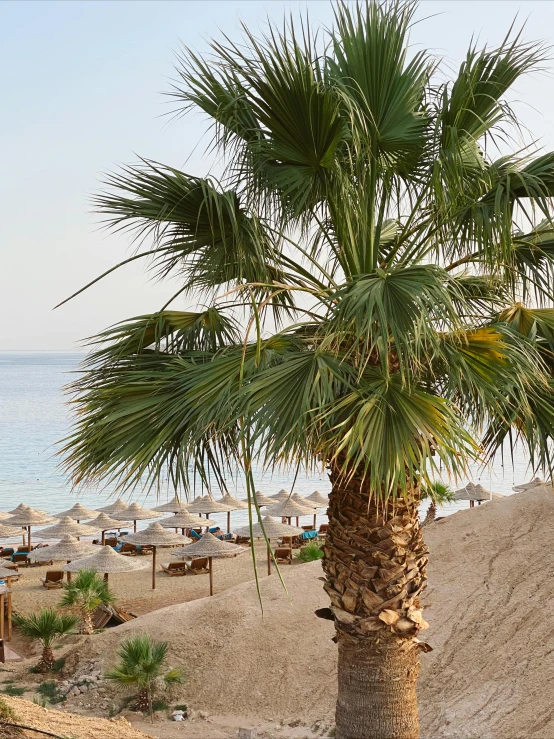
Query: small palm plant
x,y
438,494
142,664
46,627
86,592
310,552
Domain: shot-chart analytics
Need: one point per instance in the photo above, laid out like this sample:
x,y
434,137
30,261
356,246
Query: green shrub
x,y
182,707
50,691
310,553
159,705
13,690
58,665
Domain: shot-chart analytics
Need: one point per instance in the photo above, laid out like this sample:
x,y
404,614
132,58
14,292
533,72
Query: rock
x,y
247,734
203,714
294,722
83,688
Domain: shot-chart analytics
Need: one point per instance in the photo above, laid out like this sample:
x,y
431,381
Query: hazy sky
x,y
81,86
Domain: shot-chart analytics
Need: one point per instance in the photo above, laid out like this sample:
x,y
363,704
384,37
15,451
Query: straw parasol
x,y
27,518
175,505
233,504
6,532
106,561
4,515
535,482
115,507
262,499
206,504
184,520
280,496
66,526
78,512
290,509
306,503
473,493
23,507
273,530
67,549
6,574
103,523
135,513
211,547
319,501
156,536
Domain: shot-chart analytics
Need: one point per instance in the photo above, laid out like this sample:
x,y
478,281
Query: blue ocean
x,y
35,416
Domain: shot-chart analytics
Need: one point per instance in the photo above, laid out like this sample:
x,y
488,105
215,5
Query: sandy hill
x,y
491,593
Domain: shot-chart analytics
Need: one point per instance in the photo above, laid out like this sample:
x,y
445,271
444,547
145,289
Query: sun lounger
x,y
198,566
53,579
20,558
283,554
174,568
196,533
130,550
323,529
6,551
243,541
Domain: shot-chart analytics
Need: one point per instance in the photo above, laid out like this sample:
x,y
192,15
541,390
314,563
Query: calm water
x,y
34,417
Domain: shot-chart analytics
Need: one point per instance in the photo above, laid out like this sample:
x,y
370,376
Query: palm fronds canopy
x,y
375,278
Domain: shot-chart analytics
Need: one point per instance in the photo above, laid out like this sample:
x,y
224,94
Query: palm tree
x,y
142,664
438,494
86,592
46,626
377,297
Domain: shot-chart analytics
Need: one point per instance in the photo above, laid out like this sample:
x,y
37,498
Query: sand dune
x,y
492,629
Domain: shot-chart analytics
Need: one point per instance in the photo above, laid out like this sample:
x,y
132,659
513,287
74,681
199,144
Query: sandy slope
x,y
489,676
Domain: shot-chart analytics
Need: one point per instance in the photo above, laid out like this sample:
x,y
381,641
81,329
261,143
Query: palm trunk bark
x,y
375,560
431,514
46,661
87,625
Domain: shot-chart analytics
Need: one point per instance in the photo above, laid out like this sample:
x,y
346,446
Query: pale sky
x,y
81,86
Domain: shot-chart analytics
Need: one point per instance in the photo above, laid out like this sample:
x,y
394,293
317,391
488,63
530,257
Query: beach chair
x,y
283,554
244,541
196,533
323,529
20,558
129,550
53,579
174,568
111,542
6,551
198,566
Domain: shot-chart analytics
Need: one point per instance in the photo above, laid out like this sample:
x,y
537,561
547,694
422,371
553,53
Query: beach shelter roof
x,y
321,501
156,536
107,561
262,499
281,495
29,517
473,492
6,532
233,504
78,512
115,507
67,548
205,504
4,515
22,507
5,573
173,506
67,526
535,482
273,529
103,522
184,520
134,512
303,501
290,509
210,546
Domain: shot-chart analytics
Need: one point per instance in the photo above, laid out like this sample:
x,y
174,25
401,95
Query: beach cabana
x,y
473,493
78,513
67,526
27,518
23,507
210,547
66,550
175,505
233,504
135,513
104,523
290,509
263,500
106,562
115,507
184,520
281,496
206,504
320,501
273,530
156,536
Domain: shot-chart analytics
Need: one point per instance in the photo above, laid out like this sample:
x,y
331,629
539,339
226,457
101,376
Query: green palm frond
x,y
45,626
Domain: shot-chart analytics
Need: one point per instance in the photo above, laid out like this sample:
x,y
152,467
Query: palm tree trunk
x,y
46,661
87,625
374,563
142,702
431,514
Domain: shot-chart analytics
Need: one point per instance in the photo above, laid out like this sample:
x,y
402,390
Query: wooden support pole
x,y
228,522
315,523
210,565
9,614
153,568
2,615
106,576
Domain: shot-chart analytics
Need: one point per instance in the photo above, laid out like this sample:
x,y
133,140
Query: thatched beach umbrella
x,y
184,520
27,518
23,507
280,496
156,536
319,501
273,530
104,523
4,515
8,532
473,493
211,547
135,513
175,505
115,507
206,504
301,500
535,482
263,500
78,513
7,575
290,509
66,550
232,504
107,562
66,526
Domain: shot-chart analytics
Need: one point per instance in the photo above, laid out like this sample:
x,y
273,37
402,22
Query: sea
x,y
35,417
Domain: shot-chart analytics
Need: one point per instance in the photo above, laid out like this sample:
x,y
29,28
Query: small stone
x,y
203,714
247,734
294,722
